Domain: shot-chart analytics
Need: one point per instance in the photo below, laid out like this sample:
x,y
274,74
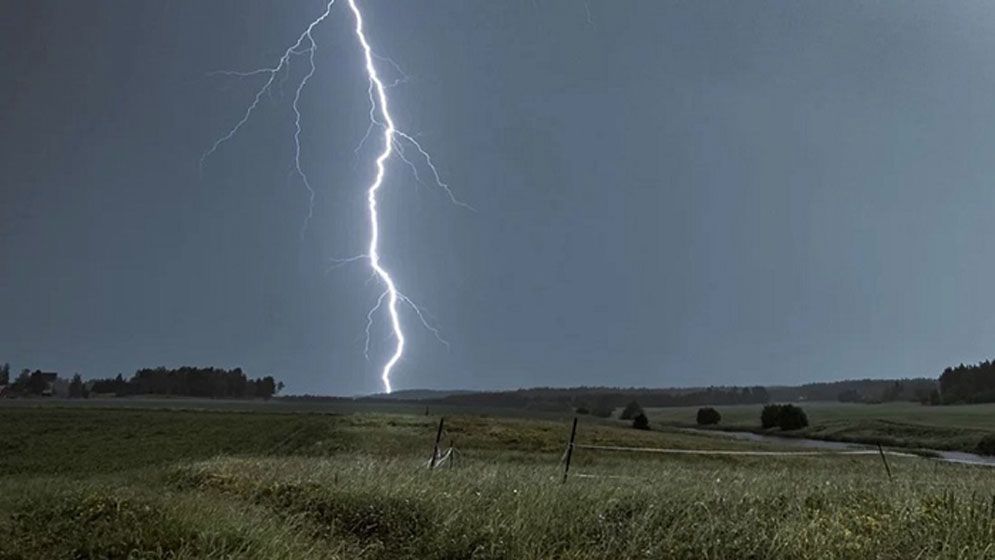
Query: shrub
x,y
792,418
784,416
987,445
641,422
770,416
708,416
630,411
583,410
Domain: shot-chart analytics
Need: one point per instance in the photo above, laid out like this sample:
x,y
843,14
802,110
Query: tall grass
x,y
356,487
370,508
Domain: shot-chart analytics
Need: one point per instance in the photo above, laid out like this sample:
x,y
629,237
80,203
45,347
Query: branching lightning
x,y
305,45
394,141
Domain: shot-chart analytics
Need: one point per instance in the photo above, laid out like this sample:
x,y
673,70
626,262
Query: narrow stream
x,y
947,456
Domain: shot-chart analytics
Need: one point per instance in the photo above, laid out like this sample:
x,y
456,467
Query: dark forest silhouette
x,y
962,384
968,384
190,382
598,398
187,381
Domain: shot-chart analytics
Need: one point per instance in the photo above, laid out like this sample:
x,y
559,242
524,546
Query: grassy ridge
x,y
255,485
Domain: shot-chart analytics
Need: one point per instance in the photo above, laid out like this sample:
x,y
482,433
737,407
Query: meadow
x,y
85,482
899,424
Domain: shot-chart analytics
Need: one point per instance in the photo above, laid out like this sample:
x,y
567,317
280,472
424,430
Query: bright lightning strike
x,y
393,141
371,197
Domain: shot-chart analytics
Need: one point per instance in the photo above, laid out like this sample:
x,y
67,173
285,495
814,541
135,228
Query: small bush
x,y
987,445
630,411
708,416
793,418
784,416
641,422
583,410
770,416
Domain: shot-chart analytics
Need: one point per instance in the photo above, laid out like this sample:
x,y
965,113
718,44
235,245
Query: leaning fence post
x,y
885,461
570,449
435,448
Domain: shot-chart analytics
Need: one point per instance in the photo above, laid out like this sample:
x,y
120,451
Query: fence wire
x,y
671,451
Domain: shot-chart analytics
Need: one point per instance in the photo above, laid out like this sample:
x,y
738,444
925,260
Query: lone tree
x,y
630,411
708,416
641,422
76,388
5,374
784,416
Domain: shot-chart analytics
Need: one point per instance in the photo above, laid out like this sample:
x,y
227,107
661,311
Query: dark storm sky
x,y
674,193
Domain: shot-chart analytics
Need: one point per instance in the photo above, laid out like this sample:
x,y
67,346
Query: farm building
x,y
50,378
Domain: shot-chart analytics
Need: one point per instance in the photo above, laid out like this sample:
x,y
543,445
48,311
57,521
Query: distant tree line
x,y
189,381
316,398
868,391
77,388
208,382
968,384
600,401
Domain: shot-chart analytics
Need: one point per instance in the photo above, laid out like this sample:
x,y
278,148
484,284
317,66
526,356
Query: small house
x,y
50,378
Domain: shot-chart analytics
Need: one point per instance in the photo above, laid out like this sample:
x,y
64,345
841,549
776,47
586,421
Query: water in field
x,y
948,456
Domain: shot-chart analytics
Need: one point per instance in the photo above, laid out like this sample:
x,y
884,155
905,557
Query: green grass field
x,y
85,482
955,428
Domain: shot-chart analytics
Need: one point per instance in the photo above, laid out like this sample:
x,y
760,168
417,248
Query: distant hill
x,y
858,390
555,398
559,398
418,395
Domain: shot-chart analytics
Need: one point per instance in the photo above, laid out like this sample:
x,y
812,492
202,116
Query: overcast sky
x,y
668,192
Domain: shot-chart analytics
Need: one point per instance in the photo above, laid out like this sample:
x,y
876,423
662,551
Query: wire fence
x,y
673,451
449,456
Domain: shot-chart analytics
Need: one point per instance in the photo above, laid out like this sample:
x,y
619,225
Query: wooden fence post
x,y
570,449
885,461
435,448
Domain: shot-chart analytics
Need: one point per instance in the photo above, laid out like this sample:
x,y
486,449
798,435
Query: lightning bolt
x,y
394,141
371,198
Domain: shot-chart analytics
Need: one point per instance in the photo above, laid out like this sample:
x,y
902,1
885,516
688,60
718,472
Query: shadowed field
x,y
113,483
